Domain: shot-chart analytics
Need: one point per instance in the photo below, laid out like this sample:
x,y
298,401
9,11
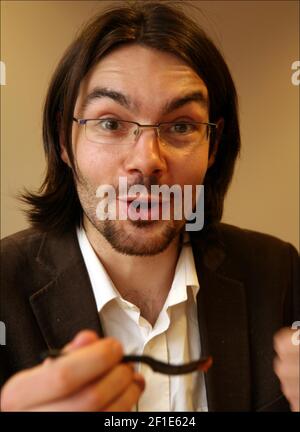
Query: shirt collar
x,y
104,289
185,276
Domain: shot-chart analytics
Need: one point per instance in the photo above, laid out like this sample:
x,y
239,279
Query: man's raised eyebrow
x,y
99,93
196,96
120,98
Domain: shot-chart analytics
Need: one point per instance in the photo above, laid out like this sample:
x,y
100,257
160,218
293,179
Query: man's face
x,y
147,86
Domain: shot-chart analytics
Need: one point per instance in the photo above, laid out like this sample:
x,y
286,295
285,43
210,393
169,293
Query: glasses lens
x,y
110,131
183,133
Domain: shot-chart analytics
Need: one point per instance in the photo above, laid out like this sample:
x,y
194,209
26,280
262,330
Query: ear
x,y
215,144
63,151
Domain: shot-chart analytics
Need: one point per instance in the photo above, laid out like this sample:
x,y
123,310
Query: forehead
x,y
145,75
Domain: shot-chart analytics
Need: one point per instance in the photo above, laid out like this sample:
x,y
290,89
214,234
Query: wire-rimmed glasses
x,y
111,131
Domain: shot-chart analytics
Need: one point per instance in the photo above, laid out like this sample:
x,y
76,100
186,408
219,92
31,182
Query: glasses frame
x,y
137,133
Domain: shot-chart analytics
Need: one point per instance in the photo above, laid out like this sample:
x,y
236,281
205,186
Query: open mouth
x,y
141,208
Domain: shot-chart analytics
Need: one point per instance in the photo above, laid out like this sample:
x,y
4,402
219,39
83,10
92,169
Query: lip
x,y
150,199
146,208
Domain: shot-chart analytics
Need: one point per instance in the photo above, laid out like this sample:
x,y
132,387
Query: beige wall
x,y
260,42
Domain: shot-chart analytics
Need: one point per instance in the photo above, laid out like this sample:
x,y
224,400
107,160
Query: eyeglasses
x,y
111,131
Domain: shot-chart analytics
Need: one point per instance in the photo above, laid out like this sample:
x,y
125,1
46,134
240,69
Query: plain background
x,y
260,41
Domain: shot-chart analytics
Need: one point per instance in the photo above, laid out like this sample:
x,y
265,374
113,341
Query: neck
x,y
143,280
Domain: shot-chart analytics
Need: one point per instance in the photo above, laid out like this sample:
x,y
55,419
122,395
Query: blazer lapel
x,y
223,326
65,302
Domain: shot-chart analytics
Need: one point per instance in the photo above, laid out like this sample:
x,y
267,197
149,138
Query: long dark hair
x,y
158,25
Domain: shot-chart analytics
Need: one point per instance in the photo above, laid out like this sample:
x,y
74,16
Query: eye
x,y
182,128
110,124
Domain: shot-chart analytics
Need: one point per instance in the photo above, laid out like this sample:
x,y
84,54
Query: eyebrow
x,y
99,93
196,96
123,100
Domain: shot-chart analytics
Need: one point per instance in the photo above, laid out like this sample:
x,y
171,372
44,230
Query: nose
x,y
146,157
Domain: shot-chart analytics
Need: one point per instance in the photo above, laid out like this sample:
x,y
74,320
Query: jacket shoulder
x,y
251,255
242,239
21,237
20,244
263,262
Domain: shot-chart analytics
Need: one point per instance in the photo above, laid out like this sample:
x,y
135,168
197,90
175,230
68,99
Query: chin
x,y
140,238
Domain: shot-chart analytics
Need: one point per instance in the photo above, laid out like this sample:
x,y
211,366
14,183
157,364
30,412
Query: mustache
x,y
146,181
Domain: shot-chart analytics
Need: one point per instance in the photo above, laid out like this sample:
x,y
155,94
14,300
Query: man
x,y
144,95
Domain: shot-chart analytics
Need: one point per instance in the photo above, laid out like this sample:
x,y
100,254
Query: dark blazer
x,y
249,288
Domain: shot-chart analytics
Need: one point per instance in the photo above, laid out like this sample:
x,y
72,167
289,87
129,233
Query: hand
x,y
89,377
286,364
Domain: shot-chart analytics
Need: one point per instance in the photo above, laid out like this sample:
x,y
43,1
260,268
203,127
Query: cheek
x,y
96,166
191,169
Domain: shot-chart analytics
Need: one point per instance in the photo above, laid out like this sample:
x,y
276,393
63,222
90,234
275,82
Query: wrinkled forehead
x,y
146,77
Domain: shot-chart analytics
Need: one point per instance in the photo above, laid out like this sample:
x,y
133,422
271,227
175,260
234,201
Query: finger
x,y
287,373
129,398
287,370
295,406
283,341
58,378
97,395
83,338
290,389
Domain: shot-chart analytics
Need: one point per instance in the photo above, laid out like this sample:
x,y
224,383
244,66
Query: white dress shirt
x,y
173,339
